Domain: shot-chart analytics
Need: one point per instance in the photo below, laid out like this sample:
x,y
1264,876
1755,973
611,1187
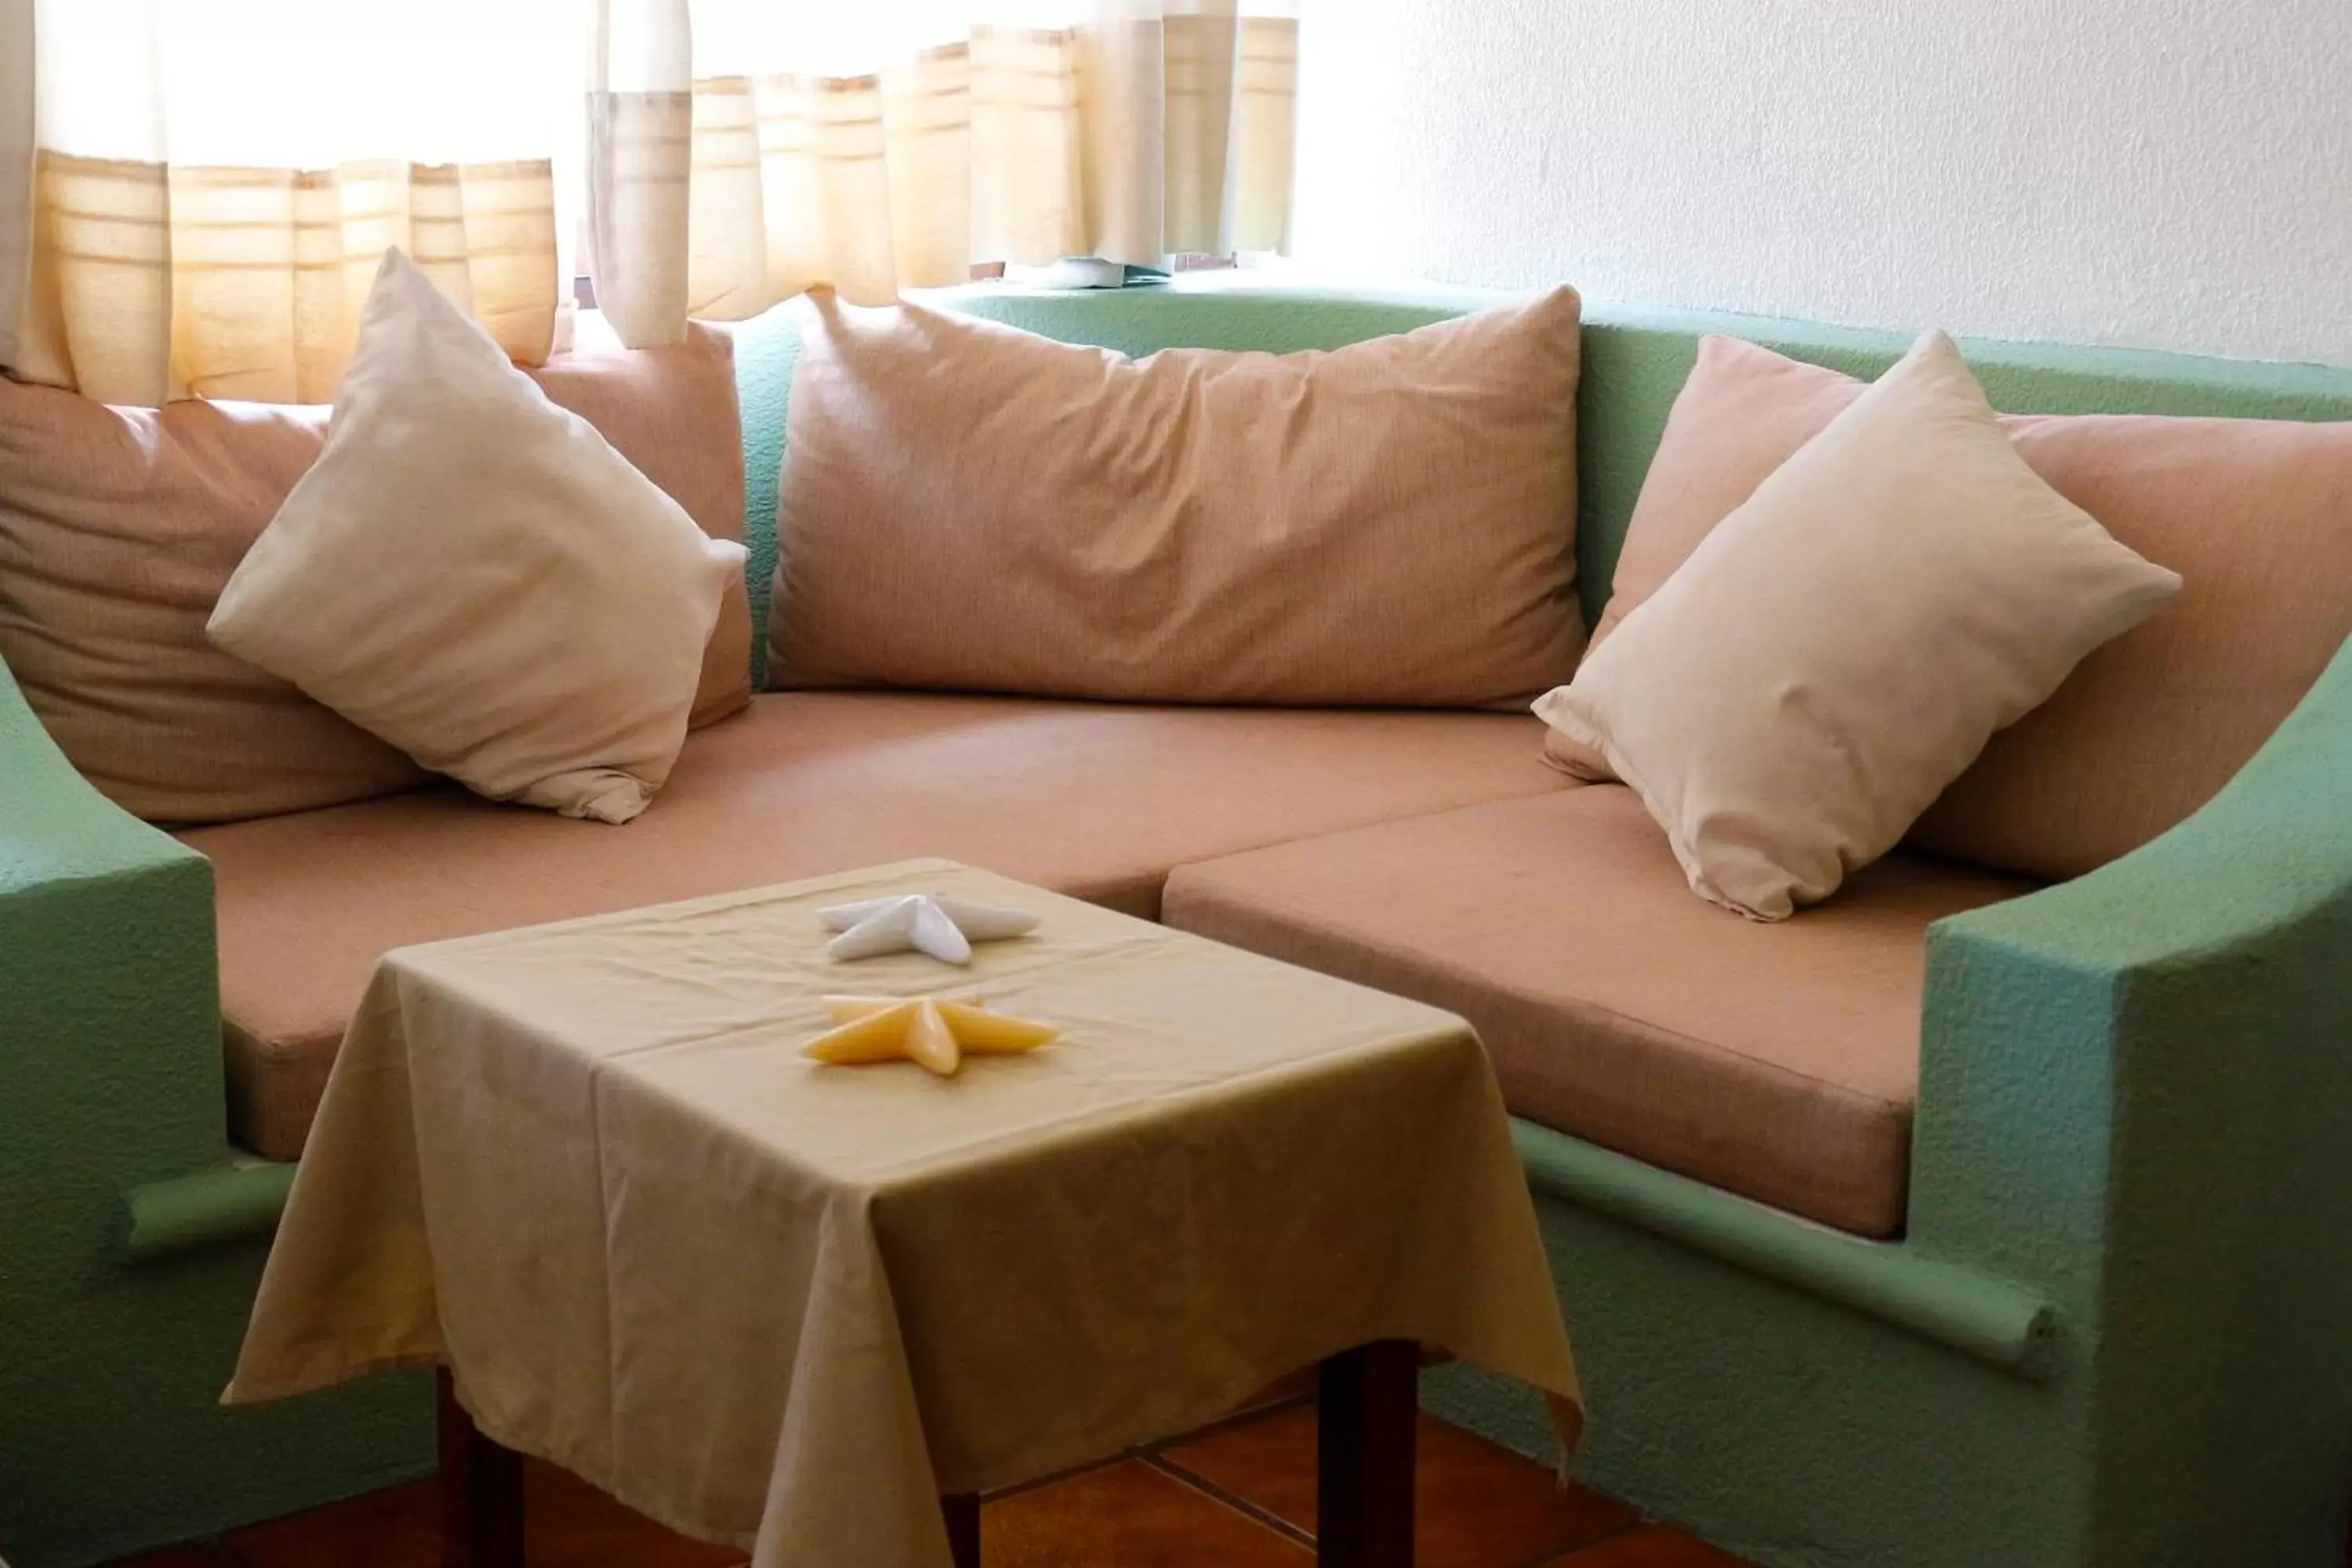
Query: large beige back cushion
x,y
119,527
968,506
2254,514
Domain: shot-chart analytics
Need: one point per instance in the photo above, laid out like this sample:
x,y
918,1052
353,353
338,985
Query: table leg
x,y
1368,1400
481,1491
962,1510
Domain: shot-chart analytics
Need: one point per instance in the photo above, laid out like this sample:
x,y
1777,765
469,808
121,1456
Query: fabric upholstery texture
x,y
2254,514
474,575
671,412
1839,649
1780,1061
969,507
1093,800
119,527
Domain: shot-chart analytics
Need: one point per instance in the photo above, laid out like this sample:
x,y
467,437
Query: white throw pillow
x,y
1839,649
470,573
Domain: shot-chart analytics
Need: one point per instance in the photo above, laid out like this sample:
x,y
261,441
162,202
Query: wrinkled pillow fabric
x,y
120,527
968,506
471,574
1837,649
671,412
2255,515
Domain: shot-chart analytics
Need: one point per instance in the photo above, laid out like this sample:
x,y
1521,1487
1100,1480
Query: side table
x,y
586,1170
1366,1408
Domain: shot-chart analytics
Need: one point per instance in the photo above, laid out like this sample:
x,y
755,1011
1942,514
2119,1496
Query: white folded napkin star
x,y
944,928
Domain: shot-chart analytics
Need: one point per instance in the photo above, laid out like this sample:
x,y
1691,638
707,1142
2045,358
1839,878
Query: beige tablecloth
x,y
785,1305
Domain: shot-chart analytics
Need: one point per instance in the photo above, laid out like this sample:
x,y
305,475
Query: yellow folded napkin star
x,y
936,1032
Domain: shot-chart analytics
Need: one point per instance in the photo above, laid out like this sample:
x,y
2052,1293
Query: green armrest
x,y
111,1031
114,1162
110,1079
56,829
2165,984
2133,1094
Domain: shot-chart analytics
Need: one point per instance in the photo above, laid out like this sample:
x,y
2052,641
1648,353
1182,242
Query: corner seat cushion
x,y
1778,1061
1092,799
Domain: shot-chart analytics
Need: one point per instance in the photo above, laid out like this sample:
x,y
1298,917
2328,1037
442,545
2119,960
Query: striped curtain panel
x,y
210,184
734,164
150,281
214,180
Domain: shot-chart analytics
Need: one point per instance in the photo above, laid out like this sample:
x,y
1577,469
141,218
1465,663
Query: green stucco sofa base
x,y
2113,1335
111,1363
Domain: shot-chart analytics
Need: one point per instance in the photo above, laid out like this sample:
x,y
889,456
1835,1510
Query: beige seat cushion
x,y
1096,800
1778,1061
969,507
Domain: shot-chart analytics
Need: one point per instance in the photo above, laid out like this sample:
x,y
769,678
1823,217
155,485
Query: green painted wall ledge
x,y
1989,1319
235,1201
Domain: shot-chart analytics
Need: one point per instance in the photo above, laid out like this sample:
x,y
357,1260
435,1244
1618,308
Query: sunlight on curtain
x,y
735,162
214,180
217,180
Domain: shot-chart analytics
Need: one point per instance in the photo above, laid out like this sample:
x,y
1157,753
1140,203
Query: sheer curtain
x,y
735,162
213,181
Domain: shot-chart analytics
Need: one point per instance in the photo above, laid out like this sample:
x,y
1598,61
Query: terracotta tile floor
x,y
1238,1495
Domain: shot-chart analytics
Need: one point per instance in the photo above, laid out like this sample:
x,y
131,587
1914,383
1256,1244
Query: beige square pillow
x,y
1837,649
471,574
120,527
968,506
2255,515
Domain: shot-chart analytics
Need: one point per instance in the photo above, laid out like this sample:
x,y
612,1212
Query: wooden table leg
x,y
1368,1400
481,1491
962,1510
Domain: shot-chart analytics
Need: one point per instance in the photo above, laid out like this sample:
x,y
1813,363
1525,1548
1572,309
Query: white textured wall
x,y
2174,173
